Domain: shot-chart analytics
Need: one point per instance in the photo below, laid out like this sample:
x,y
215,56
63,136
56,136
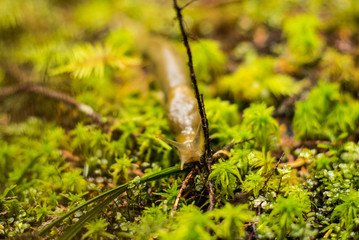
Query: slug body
x,y
181,104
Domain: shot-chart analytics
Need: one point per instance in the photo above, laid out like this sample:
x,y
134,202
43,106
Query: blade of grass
x,y
115,192
74,229
120,189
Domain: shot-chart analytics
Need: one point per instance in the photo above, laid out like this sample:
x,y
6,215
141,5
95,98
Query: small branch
x,y
206,133
271,174
193,78
199,97
26,85
255,233
14,89
32,87
8,198
86,109
184,184
187,4
212,199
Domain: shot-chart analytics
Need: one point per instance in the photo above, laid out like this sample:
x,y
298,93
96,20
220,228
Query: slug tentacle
x,y
190,150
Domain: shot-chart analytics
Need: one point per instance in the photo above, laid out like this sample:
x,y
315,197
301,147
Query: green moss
x,y
284,73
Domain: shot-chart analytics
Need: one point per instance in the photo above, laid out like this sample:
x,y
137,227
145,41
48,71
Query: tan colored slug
x,y
181,104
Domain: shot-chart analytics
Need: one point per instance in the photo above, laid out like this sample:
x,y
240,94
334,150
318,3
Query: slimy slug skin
x,y
181,104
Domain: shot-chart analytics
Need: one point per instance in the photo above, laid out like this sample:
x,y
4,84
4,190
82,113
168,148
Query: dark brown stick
x,y
212,199
199,97
14,89
31,87
255,233
187,4
184,184
193,78
25,84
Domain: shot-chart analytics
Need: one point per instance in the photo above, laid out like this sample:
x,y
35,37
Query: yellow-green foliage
x,y
263,126
101,13
253,183
97,229
16,12
190,223
87,59
225,176
269,12
54,159
347,212
326,113
231,220
224,122
288,212
227,222
209,62
340,67
257,79
303,41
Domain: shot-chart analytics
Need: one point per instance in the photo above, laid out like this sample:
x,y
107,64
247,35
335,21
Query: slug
x,y
181,104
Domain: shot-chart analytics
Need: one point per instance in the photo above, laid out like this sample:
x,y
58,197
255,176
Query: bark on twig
x,y
193,78
187,4
32,87
26,85
199,97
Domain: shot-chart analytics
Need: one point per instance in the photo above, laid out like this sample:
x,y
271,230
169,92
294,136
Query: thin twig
x,y
8,198
202,112
184,184
224,151
254,228
193,77
212,199
25,84
32,87
271,174
14,89
187,4
206,133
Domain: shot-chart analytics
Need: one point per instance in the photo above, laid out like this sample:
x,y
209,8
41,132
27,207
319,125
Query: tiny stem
x,y
184,184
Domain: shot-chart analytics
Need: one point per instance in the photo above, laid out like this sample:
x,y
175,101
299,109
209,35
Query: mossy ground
x,y
283,72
